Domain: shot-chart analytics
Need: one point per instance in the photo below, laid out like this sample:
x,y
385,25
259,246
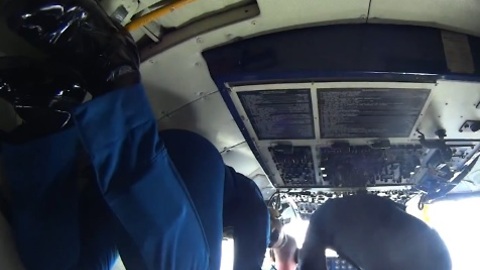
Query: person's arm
x,y
140,184
285,253
251,222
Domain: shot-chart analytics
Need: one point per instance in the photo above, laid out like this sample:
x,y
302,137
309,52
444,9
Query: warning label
x,y
280,114
369,113
457,52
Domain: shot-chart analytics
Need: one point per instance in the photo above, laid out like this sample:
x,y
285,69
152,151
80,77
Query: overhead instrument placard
x,y
369,113
279,114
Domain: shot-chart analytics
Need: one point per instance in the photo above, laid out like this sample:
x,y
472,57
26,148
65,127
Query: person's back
x,y
375,234
245,211
222,198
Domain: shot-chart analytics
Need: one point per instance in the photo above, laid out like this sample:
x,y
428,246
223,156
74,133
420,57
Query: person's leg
x,y
97,231
95,234
138,181
202,169
44,207
135,175
247,212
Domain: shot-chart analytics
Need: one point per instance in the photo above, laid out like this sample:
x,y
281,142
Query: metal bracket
x,y
470,126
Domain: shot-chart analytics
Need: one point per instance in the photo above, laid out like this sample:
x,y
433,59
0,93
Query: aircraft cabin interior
x,y
321,99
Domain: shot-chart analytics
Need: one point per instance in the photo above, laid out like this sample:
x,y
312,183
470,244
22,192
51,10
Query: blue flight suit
x,y
162,201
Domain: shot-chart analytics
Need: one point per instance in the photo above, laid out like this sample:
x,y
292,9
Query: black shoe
x,y
43,94
79,33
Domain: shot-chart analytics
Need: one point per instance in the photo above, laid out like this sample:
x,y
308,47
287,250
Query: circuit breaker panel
x,y
332,136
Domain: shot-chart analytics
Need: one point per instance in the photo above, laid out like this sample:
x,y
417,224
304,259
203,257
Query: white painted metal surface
x,y
454,102
241,158
458,15
222,129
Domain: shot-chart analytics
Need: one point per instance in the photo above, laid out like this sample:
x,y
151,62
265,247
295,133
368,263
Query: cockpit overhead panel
x,y
326,136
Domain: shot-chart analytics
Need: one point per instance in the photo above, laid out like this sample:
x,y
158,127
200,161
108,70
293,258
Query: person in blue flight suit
x,y
372,232
367,231
161,201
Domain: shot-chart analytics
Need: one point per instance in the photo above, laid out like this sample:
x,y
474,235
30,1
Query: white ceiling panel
x,y
209,117
194,10
287,13
176,78
453,102
182,71
242,159
458,15
179,76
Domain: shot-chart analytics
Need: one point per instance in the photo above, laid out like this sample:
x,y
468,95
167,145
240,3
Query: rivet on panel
x,y
199,40
229,36
200,93
254,22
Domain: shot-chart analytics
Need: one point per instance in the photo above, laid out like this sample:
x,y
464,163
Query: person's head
x,y
283,247
284,254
